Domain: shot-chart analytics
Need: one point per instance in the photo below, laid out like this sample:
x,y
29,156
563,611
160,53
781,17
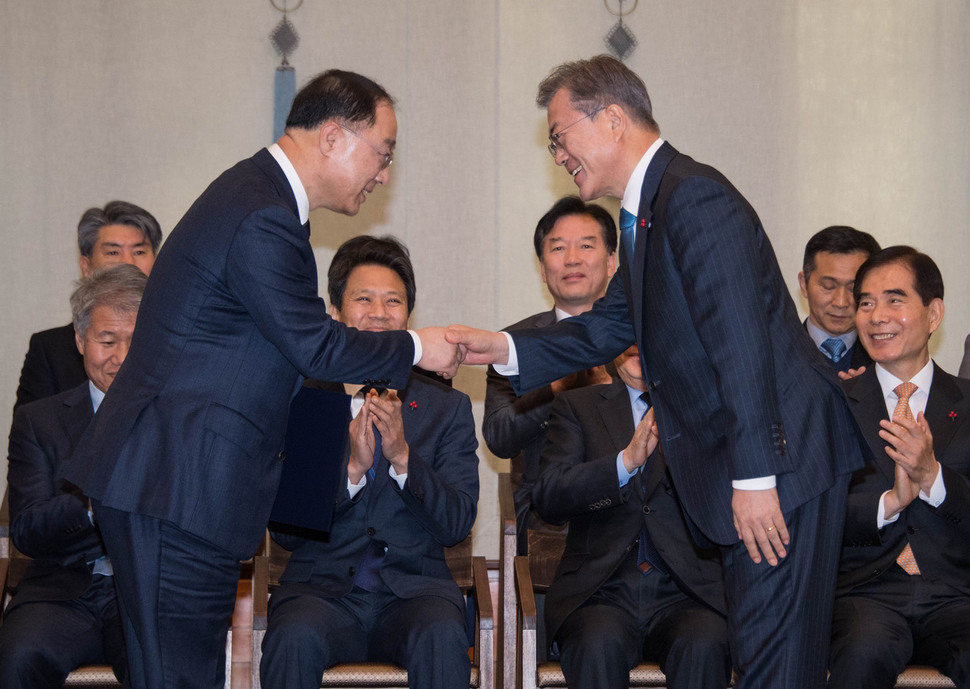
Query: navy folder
x,y
316,435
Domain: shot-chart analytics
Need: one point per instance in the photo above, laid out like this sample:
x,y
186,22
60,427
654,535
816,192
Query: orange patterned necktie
x,y
904,391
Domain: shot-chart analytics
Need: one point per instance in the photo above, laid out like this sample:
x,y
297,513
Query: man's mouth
x,y
879,337
575,172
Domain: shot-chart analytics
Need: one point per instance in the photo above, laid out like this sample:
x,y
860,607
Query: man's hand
x,y
643,443
903,492
479,346
386,416
852,373
437,353
362,442
760,524
911,447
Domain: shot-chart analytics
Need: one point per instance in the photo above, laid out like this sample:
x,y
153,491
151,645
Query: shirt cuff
x,y
880,521
761,483
418,349
621,473
352,489
937,490
400,478
512,367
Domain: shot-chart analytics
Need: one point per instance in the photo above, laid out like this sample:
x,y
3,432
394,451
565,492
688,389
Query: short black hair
x,y
573,205
385,251
837,239
926,274
116,213
336,94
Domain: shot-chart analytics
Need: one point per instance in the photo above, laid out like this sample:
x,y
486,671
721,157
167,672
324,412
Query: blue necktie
x,y
627,223
648,557
834,348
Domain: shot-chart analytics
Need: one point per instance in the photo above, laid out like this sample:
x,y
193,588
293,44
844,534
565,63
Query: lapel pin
x,y
413,404
953,416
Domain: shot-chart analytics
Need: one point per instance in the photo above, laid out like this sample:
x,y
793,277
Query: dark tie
x,y
648,557
369,569
627,223
904,391
834,348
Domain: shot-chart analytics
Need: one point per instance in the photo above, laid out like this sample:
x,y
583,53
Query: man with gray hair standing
x,y
65,612
121,232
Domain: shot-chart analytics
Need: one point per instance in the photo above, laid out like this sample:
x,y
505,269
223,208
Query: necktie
x,y
627,222
369,570
648,557
834,348
904,391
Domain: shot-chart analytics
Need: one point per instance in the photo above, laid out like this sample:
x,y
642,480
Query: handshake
x,y
445,349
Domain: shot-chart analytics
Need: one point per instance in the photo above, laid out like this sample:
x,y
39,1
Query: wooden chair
x,y
469,572
13,565
506,576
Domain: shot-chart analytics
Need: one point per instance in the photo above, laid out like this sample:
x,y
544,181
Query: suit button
x,y
647,510
282,455
371,531
351,571
910,530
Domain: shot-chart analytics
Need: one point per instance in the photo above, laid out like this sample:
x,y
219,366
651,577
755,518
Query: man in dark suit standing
x,y
575,243
903,588
753,422
182,462
65,613
832,257
377,587
121,232
631,583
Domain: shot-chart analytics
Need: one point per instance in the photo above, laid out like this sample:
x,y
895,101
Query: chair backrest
x,y
545,552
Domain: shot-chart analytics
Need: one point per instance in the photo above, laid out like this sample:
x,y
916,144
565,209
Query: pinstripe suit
x,y
739,391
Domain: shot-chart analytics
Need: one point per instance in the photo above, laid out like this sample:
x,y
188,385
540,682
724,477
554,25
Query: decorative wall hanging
x,y
285,39
620,40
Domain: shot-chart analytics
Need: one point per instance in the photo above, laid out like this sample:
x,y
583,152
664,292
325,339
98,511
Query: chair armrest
x,y
5,525
506,592
527,618
4,568
485,617
260,591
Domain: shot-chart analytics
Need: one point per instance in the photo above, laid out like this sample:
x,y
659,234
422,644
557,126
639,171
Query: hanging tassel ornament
x,y
620,40
285,40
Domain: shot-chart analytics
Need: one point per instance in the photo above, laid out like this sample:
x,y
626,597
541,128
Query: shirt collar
x,y
819,336
888,382
302,200
639,406
631,196
96,396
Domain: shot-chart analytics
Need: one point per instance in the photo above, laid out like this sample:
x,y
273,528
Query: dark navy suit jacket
x,y
436,508
49,517
191,430
940,537
578,483
739,390
52,365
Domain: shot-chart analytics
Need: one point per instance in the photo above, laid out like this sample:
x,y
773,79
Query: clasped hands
x,y
911,449
445,349
383,415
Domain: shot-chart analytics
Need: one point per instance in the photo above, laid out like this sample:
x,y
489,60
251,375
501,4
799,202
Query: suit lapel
x,y
78,412
648,194
869,407
944,398
617,416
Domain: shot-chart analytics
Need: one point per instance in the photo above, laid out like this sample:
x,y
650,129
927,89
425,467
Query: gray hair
x,y
597,83
118,286
116,213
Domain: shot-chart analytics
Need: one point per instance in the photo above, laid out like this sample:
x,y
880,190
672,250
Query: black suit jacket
x,y
436,508
578,484
940,537
191,430
52,365
48,517
739,391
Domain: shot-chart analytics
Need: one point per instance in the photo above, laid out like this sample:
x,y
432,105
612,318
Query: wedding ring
x,y
769,529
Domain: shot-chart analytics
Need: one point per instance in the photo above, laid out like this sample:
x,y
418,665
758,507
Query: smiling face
x,y
375,299
588,148
119,244
629,369
357,161
105,344
828,290
575,264
893,323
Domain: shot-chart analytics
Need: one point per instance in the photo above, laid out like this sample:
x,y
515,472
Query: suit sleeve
x,y
512,421
48,518
270,269
569,485
573,344
955,509
441,492
714,240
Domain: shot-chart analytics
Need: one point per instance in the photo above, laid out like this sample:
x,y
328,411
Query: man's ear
x,y
79,342
334,312
84,263
329,137
802,284
936,314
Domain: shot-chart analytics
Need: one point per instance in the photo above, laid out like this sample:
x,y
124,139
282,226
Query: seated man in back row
x,y
65,613
903,594
377,587
631,584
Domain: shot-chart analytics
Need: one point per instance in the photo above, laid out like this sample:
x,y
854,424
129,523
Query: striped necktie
x,y
904,391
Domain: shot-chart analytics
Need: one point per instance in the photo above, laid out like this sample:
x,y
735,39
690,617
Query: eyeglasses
x,y
555,140
388,156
